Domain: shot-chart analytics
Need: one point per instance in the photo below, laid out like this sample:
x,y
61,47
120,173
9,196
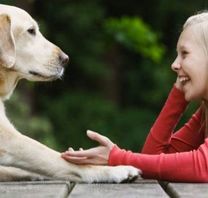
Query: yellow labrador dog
x,y
25,53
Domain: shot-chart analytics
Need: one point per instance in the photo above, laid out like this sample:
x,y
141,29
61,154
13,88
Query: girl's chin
x,y
188,94
192,97
188,98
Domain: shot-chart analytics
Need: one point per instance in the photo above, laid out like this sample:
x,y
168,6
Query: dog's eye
x,y
32,31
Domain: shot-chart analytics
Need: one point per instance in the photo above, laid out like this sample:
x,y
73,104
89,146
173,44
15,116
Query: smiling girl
x,y
180,156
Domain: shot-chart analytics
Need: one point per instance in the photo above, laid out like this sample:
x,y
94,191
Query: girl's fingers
x,y
97,137
75,160
70,149
83,153
81,160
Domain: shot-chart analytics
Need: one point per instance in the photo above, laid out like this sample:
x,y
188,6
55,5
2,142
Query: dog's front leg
x,y
8,173
20,151
23,152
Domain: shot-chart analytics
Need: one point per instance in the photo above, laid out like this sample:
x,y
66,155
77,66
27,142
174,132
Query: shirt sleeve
x,y
189,166
189,137
163,139
180,157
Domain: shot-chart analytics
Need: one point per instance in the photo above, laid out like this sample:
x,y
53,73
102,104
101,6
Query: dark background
x,y
119,73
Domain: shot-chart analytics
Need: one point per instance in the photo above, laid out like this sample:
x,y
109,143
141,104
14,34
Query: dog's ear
x,y
7,45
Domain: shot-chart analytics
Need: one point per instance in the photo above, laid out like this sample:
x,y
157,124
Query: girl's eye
x,y
184,53
31,31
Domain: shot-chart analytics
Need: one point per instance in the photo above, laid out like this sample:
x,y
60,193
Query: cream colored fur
x,y
25,53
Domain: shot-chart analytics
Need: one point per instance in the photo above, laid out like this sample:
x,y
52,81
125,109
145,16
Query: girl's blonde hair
x,y
199,24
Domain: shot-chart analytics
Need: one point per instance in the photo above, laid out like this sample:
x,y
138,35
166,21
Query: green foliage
x,y
134,34
7,1
74,113
35,126
78,33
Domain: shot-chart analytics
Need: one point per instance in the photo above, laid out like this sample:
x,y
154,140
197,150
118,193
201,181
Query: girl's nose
x,y
175,65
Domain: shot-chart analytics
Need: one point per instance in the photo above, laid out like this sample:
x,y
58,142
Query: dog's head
x,y
23,49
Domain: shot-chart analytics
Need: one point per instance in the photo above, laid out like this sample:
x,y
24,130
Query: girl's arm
x,y
189,166
162,137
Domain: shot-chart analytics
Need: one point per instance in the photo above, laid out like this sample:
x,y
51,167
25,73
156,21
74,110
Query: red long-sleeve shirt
x,y
180,156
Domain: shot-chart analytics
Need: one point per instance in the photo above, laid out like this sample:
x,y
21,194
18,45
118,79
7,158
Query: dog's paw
x,y
106,174
122,174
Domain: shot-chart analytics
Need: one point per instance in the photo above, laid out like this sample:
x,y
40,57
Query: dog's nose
x,y
63,58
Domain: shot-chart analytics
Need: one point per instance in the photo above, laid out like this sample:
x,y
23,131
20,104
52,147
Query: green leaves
x,y
134,34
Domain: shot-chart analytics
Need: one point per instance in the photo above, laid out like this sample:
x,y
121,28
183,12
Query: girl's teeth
x,y
184,79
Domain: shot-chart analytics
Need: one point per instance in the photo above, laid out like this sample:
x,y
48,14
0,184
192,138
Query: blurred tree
x,y
102,67
135,36
117,79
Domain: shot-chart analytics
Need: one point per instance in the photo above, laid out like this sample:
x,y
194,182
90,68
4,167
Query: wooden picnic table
x,y
63,189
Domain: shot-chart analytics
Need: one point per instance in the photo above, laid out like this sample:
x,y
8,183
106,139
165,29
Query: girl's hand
x,y
97,155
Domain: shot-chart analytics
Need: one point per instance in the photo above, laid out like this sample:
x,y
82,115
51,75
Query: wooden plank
x,y
140,189
144,181
38,189
189,190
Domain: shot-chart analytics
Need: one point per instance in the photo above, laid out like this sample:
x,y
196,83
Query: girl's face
x,y
191,66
